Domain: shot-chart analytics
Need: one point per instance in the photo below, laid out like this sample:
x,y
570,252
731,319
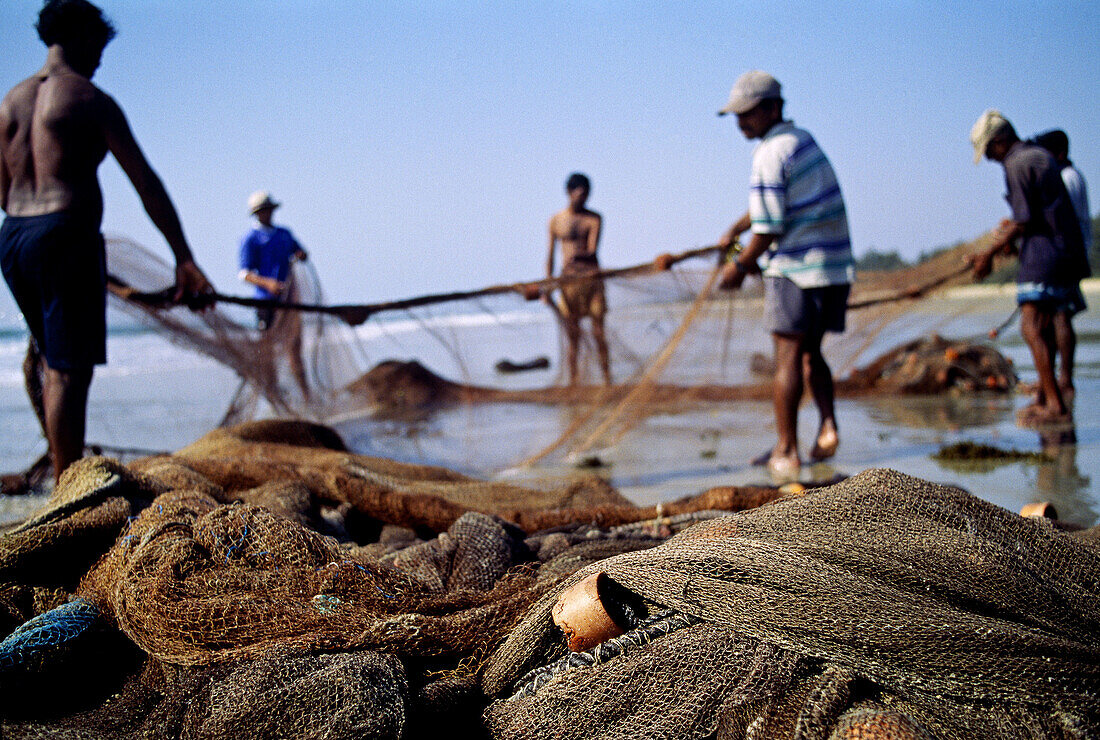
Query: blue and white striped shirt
x,y
793,193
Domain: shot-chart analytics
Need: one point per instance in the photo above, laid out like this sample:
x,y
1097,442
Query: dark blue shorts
x,y
789,309
56,269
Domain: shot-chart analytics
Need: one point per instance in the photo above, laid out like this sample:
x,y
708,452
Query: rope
x,y
356,314
911,293
656,366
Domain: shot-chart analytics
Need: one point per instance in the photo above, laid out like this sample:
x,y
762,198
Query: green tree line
x,y
873,259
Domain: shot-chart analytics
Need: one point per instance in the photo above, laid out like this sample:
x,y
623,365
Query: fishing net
x,y
882,607
879,607
290,369
273,618
675,342
267,581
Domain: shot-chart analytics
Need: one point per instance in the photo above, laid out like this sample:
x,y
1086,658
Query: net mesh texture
x,y
879,607
675,342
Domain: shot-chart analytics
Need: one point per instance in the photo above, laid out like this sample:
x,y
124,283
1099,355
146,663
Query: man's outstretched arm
x,y
739,227
124,147
744,264
271,285
1004,240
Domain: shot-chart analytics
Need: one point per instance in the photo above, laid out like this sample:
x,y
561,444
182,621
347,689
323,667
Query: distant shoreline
x,y
20,332
1089,285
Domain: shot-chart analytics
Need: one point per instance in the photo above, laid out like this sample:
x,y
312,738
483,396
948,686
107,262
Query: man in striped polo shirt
x,y
800,231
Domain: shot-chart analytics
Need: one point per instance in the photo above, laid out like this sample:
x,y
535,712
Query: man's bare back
x,y
51,144
55,129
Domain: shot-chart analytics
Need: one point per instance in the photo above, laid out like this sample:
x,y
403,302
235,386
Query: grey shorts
x,y
789,309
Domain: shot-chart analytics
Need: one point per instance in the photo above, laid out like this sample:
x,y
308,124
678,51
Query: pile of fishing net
x,y
925,366
882,607
931,365
265,569
265,582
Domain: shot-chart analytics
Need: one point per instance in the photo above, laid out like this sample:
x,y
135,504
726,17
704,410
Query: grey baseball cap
x,y
751,88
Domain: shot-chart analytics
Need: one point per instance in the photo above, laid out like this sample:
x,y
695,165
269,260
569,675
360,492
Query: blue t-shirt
x,y
1052,250
267,252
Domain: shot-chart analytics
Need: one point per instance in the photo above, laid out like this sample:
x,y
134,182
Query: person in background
x,y
56,127
577,228
1057,143
1044,224
800,227
265,257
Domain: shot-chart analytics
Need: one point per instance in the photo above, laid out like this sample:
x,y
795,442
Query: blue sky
x,y
421,147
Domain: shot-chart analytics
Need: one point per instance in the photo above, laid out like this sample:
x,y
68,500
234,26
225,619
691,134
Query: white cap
x,y
260,200
751,88
988,126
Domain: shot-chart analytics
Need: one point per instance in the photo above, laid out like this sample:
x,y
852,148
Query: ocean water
x,y
154,396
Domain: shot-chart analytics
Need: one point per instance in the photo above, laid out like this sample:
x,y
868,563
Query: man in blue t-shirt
x,y
266,253
1050,251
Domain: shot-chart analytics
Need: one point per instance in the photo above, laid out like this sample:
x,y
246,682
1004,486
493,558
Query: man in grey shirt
x,y
1044,223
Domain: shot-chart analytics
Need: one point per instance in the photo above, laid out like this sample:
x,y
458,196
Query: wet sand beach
x,y
670,455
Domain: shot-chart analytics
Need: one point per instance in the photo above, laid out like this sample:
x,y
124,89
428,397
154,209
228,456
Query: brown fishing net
x,y
675,343
290,369
253,621
265,581
289,603
245,461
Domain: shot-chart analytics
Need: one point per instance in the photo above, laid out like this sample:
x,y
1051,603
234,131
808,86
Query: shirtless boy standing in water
x,y
56,127
578,230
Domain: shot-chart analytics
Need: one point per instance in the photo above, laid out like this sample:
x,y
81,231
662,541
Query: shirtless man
x,y
55,129
578,230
